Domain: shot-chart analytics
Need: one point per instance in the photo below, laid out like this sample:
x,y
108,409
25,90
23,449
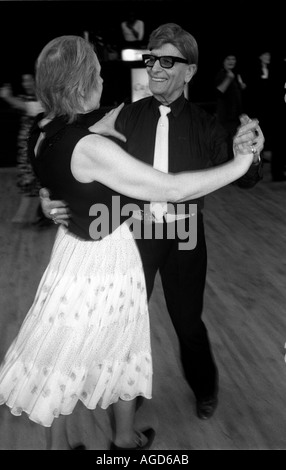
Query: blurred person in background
x,y
229,88
27,104
132,30
259,96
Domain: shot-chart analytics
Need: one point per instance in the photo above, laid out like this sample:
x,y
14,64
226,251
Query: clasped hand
x,y
248,139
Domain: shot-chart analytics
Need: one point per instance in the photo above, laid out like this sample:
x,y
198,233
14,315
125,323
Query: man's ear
x,y
191,71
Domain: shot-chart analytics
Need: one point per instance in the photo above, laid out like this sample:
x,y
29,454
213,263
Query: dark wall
x,y
218,26
26,26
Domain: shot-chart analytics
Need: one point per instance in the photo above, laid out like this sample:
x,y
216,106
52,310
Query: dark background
x,y
242,28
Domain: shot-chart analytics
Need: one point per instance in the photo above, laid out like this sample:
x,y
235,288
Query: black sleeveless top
x,y
52,166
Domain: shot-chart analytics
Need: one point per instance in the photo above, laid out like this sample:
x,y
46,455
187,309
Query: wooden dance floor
x,y
245,312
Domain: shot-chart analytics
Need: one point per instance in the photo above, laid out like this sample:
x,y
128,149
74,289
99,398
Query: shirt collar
x,y
176,106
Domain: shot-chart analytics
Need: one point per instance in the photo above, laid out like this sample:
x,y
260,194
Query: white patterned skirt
x,y
86,336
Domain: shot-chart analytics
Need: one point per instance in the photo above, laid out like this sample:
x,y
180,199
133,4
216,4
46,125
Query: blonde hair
x,y
66,75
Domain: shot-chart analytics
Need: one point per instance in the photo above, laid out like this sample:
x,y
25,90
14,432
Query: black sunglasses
x,y
166,61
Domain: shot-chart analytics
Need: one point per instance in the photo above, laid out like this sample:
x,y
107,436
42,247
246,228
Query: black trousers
x,y
183,275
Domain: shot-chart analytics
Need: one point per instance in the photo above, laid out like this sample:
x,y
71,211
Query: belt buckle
x,y
147,217
144,216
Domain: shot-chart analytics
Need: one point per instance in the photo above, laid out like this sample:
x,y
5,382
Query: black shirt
x,y
196,139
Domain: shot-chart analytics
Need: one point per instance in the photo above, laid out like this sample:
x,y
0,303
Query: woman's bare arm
x,y
96,158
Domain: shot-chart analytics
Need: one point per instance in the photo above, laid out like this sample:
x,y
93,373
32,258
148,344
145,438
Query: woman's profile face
x,y
94,100
99,78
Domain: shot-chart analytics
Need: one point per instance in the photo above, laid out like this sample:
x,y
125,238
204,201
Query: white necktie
x,y
161,157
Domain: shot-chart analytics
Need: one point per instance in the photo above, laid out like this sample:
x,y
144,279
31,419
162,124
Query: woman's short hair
x,y
66,73
171,33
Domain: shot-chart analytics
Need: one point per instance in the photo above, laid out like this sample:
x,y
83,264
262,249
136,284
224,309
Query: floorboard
x,y
245,312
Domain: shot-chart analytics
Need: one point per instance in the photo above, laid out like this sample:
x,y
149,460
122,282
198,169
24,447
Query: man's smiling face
x,y
168,84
